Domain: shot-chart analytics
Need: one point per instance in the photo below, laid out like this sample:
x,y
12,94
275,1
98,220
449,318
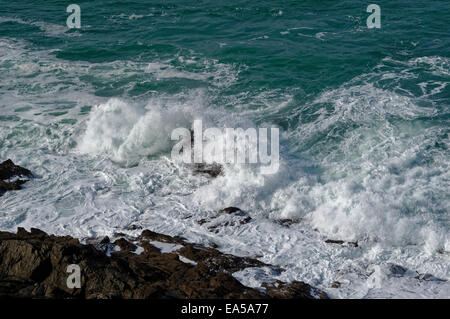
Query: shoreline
x,y
151,266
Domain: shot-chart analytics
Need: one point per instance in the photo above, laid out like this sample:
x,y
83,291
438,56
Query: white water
x,y
102,170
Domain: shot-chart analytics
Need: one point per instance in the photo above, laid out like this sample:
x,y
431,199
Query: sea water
x,y
363,117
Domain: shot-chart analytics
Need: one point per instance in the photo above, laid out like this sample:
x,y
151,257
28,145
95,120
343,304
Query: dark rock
x,y
125,245
37,233
150,235
34,265
331,241
215,260
227,217
103,244
10,186
23,234
287,222
397,270
341,242
230,210
212,170
429,277
105,240
133,227
228,223
293,290
202,221
336,284
8,170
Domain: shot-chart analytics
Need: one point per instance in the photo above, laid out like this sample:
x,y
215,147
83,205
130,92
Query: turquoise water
x,y
363,114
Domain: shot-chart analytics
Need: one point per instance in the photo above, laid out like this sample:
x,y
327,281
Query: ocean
x,y
363,115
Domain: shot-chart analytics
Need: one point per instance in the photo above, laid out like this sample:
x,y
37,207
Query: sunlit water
x,y
363,116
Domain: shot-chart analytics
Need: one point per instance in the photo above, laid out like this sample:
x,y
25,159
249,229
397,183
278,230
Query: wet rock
x,y
102,244
287,222
246,220
150,235
213,170
428,277
218,224
227,217
10,186
331,241
341,242
34,265
133,227
125,245
336,284
12,176
215,260
230,210
9,170
397,270
293,290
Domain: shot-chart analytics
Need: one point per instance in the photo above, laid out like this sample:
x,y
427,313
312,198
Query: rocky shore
x,y
152,265
34,264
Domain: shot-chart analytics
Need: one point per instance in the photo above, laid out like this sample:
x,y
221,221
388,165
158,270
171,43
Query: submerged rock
x,y
34,265
288,222
429,277
227,217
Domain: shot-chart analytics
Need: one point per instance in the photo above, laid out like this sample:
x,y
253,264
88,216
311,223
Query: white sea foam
x,y
50,29
436,64
217,74
127,133
187,261
166,247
